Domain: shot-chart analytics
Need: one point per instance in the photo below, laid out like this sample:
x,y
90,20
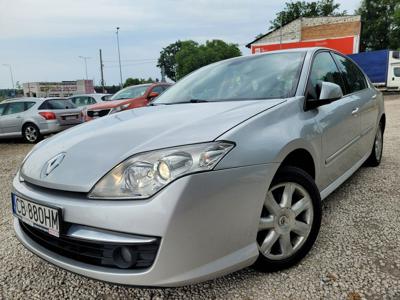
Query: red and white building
x,y
339,33
58,89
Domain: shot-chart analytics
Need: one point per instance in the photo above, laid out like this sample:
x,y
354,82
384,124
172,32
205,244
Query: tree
x,y
380,24
167,59
295,10
135,81
192,55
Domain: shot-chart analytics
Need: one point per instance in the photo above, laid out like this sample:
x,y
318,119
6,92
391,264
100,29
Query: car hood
x,y
92,149
109,104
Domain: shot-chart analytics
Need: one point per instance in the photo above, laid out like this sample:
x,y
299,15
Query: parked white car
x,y
88,99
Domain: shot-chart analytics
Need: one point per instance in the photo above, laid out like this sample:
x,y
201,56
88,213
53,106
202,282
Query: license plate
x,y
37,215
67,118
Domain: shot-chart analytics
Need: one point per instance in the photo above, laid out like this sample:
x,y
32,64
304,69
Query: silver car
x,y
32,118
225,170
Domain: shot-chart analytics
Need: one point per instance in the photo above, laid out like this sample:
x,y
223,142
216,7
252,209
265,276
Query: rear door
x,y
340,126
393,81
12,117
366,99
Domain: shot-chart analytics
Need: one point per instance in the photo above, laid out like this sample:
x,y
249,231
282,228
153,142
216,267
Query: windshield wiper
x,y
197,101
184,102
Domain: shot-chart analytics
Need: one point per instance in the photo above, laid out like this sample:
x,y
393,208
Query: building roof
x,y
301,18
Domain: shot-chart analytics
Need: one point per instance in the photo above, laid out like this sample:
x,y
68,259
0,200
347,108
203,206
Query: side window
x,y
14,108
158,89
91,101
2,107
44,105
323,69
354,78
396,71
73,100
28,105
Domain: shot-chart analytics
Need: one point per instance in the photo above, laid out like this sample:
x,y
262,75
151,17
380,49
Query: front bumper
x,y
207,224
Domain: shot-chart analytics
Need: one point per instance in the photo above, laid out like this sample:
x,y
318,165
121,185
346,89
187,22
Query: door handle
x,y
374,96
18,117
355,111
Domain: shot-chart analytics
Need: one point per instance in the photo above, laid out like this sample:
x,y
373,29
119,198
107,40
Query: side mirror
x,y
328,93
152,95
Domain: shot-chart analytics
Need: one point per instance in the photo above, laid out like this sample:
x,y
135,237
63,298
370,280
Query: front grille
x,y
97,113
100,254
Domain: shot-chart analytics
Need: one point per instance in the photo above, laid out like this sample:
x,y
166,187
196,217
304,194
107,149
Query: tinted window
x,y
106,97
57,104
14,108
158,89
28,105
265,76
396,54
355,79
396,72
2,107
323,69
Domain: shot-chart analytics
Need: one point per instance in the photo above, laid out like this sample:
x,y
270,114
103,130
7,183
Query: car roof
x,y
22,99
92,94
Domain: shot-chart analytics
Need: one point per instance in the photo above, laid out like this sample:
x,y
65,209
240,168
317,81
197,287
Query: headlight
x,y
143,175
118,108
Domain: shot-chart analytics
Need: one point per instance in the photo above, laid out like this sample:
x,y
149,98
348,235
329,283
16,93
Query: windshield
x,y
254,77
130,92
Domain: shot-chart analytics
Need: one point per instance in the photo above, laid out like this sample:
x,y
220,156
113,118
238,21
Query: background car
x,y
88,99
31,118
127,98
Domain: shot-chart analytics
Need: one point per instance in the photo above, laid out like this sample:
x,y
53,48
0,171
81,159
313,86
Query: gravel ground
x,y
356,255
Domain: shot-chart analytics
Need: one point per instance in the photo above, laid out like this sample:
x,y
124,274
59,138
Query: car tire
x,y
375,157
281,238
31,133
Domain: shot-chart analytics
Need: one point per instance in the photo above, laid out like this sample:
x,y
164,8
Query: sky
x,y
42,39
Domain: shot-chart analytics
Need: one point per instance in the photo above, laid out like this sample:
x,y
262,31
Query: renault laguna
x,y
225,170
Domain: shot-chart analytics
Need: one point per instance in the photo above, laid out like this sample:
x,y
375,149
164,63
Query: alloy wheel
x,y
285,222
31,133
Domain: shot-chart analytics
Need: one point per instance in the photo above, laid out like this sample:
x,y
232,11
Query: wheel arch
x,y
302,159
27,122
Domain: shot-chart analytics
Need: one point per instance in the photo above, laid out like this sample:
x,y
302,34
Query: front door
x,y
339,121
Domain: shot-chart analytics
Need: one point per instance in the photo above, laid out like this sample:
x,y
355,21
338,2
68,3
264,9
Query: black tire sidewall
x,y
372,160
296,175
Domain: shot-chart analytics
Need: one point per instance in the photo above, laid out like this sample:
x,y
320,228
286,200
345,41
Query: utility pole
x,y
11,74
85,58
280,34
119,58
101,71
163,73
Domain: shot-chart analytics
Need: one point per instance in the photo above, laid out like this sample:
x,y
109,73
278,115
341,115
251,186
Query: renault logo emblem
x,y
53,163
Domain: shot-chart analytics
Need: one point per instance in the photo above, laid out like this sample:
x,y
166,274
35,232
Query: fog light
x,y
124,257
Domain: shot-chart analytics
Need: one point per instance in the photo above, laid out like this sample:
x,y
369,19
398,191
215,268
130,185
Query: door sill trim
x,y
334,185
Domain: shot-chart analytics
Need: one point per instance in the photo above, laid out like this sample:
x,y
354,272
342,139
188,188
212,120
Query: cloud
x,y
42,39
